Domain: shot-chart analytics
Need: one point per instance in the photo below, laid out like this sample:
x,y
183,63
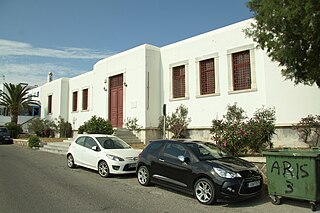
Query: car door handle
x,y
161,160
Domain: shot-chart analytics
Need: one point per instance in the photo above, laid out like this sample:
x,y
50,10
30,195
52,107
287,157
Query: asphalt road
x,y
32,181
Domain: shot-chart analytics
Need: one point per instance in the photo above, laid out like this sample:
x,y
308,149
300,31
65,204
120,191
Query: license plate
x,y
253,184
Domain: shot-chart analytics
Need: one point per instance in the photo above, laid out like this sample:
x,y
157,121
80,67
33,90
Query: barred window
x,y
207,76
85,99
241,70
74,101
178,79
49,104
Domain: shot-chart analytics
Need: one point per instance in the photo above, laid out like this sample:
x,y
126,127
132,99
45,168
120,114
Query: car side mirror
x,y
95,148
183,159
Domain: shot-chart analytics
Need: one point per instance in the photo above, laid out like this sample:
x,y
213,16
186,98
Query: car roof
x,y
96,135
179,140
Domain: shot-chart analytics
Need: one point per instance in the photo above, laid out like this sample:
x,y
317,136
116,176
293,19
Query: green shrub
x,y
42,127
64,128
14,129
34,141
82,129
96,125
261,128
132,124
309,130
177,122
36,126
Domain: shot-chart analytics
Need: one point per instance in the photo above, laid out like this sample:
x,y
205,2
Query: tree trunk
x,y
14,116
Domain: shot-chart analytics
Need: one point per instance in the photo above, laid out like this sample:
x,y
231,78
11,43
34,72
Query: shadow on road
x,y
264,198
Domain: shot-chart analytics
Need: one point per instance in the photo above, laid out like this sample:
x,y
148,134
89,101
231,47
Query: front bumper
x,y
241,189
126,167
6,140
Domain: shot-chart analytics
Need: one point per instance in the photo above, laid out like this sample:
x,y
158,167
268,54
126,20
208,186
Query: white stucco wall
x,y
291,102
131,64
59,89
216,44
135,65
147,85
78,84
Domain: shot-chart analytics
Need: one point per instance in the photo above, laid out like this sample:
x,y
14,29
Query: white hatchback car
x,y
106,154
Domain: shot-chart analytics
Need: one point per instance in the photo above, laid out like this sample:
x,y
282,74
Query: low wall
x,y
284,136
21,142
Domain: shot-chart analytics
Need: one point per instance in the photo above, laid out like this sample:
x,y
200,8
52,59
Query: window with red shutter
x,y
207,76
241,70
74,101
49,104
178,81
85,99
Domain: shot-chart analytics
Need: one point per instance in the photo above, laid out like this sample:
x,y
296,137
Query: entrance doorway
x,y
116,100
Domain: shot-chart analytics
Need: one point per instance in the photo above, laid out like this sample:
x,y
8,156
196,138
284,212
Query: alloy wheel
x,y
103,169
143,176
204,191
70,161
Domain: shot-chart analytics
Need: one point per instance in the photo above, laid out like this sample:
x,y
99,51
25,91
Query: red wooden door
x,y
116,101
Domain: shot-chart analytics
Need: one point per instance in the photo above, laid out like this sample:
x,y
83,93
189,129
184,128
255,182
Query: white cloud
x,y
15,48
34,74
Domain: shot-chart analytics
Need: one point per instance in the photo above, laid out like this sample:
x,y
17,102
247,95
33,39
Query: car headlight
x,y
226,173
115,158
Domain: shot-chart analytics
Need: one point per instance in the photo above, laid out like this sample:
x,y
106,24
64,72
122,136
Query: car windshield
x,y
3,130
206,151
112,143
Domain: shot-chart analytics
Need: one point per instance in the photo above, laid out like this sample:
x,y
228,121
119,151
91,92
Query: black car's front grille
x,y
245,188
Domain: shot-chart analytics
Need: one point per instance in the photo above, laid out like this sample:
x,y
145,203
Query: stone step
x,y
127,136
129,140
56,147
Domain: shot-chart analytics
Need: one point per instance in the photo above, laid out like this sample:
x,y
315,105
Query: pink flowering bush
x,y
230,132
237,134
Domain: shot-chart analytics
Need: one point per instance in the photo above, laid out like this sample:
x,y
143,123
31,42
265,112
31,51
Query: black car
x,y
198,168
5,137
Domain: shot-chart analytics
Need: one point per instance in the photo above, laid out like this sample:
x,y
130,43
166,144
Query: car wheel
x,y
143,176
71,163
204,191
103,169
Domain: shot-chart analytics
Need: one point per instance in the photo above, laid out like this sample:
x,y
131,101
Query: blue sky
x,y
67,37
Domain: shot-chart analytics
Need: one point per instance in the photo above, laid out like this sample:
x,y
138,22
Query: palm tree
x,y
15,99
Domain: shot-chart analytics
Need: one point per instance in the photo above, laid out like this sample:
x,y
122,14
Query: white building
x,y
205,73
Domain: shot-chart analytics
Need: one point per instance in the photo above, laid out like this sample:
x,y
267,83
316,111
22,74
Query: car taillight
x,y
139,156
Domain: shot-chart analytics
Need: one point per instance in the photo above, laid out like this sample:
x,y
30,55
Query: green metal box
x,y
293,174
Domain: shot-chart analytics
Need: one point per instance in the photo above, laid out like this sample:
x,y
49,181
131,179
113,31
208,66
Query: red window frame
x,y
241,70
178,81
85,99
75,101
49,104
207,77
